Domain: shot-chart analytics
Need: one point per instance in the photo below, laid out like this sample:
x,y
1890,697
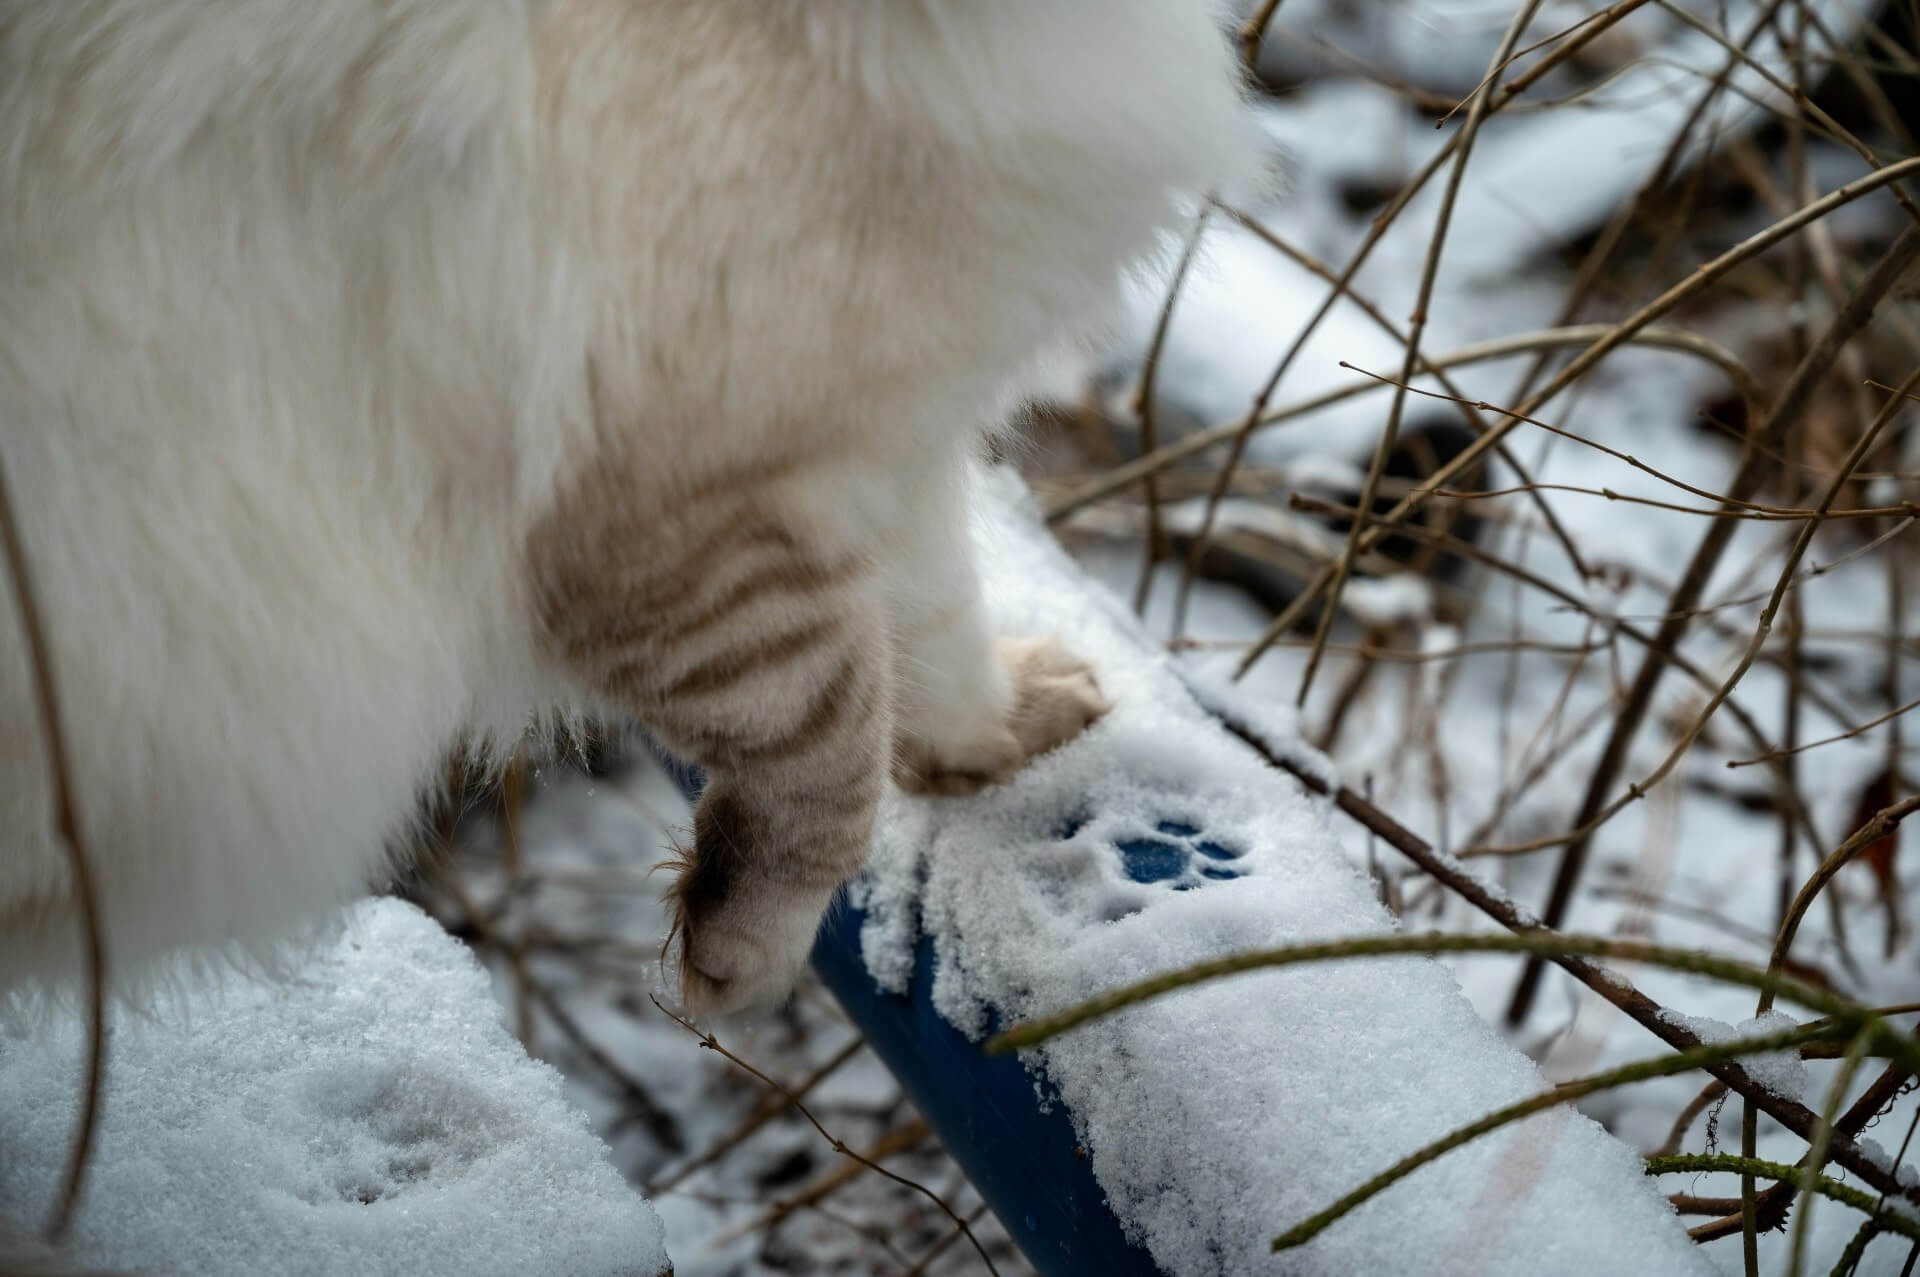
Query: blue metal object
x,y
1005,1126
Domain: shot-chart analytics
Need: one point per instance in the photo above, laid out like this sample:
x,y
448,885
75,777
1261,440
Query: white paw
x,y
1055,698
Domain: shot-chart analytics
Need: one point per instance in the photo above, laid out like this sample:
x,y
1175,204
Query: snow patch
x,y
368,1115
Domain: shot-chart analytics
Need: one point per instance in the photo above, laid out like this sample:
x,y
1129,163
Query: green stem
x,y
1034,1032
1640,1071
1818,1146
1850,1257
1846,1194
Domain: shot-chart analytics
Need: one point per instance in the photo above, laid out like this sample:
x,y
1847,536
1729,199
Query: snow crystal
x,y
369,1115
1220,1116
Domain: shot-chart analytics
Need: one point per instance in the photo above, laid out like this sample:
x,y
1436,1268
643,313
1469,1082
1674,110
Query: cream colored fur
x,y
312,310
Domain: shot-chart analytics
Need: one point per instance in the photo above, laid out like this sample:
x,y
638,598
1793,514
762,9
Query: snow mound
x,y
1218,1117
368,1115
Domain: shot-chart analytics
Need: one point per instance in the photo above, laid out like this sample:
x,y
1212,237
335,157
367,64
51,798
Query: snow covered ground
x,y
1489,746
370,1115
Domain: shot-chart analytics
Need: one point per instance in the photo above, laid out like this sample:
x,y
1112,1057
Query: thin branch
x,y
1146,406
712,1043
66,818
1253,33
1239,434
1416,331
1862,838
1135,472
1852,318
770,1107
1897,258
1849,734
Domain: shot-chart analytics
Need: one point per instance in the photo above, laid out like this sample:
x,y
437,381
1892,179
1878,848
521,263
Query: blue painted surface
x,y
1007,1130
1152,860
1019,1152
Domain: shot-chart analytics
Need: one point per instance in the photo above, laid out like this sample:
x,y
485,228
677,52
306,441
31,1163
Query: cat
x,y
376,373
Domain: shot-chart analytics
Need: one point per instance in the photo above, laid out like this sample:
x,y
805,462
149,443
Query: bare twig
x,y
772,1106
1416,330
67,829
1891,266
1793,400
1146,406
1238,435
712,1043
899,1140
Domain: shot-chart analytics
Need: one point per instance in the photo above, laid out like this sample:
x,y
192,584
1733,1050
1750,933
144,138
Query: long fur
x,y
311,313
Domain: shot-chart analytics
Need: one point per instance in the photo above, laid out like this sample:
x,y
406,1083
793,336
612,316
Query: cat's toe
x,y
922,767
1056,696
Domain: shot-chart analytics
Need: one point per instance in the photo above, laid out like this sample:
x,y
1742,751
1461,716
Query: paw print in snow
x,y
1177,853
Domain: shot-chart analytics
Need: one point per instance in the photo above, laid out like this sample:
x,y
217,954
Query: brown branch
x,y
1239,434
898,1140
1643,1010
1619,335
770,1107
1416,331
1470,411
1469,550
1146,407
67,829
1828,740
1254,33
1862,838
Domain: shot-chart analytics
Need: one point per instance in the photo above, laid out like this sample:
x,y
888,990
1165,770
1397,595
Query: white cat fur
x,y
307,310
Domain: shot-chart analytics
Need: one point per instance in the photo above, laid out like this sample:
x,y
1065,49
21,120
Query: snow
x,y
1783,1072
1219,1116
369,1115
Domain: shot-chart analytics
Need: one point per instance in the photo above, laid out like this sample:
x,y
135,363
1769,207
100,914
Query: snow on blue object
x,y
1212,1119
1014,1140
368,1115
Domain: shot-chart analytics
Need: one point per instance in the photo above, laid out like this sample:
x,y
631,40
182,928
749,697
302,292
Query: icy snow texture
x,y
1219,1116
370,1115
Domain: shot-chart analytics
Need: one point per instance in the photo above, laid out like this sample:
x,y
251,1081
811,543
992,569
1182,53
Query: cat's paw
x,y
1054,698
743,925
743,954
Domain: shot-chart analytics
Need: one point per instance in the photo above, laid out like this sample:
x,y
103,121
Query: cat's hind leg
x,y
751,640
